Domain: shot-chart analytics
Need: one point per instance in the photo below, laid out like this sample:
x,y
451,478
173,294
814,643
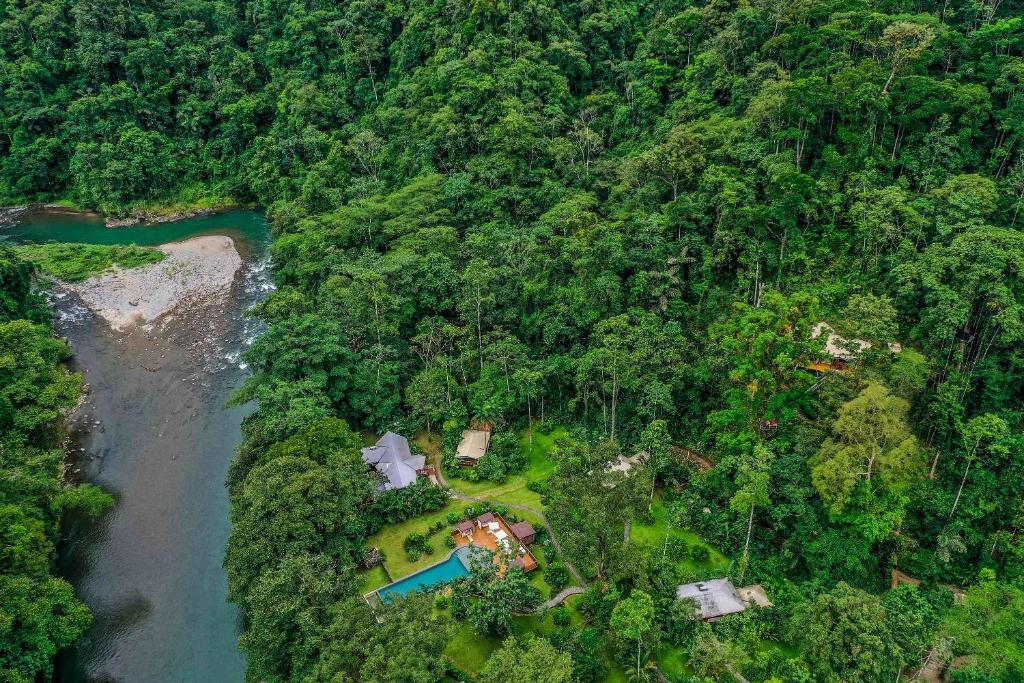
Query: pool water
x,y
455,566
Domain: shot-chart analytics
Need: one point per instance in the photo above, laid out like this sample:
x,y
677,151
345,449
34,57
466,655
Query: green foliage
x,y
399,643
845,637
874,449
587,514
303,495
75,262
556,575
533,659
416,544
490,601
39,613
987,631
622,214
632,621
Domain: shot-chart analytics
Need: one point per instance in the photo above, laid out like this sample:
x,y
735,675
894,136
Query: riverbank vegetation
x,y
39,613
624,218
76,262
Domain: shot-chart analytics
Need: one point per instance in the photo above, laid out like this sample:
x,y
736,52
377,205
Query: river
x,y
154,431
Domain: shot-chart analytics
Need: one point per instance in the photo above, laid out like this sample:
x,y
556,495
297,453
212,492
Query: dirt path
x,y
436,458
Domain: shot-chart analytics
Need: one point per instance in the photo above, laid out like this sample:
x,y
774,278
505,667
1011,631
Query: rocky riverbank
x,y
194,271
154,218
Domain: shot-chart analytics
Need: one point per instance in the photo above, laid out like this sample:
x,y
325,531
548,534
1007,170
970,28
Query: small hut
x,y
524,531
466,528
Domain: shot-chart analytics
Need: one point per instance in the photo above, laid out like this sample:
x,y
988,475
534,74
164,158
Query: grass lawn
x,y
391,537
672,662
76,262
469,651
654,537
373,579
514,489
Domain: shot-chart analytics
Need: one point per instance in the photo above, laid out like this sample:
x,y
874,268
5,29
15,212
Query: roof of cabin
x,y
392,457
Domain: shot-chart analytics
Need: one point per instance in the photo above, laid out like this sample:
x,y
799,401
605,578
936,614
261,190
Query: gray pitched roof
x,y
714,598
392,458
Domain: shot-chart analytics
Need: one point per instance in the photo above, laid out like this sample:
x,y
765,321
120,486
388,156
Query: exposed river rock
x,y
193,272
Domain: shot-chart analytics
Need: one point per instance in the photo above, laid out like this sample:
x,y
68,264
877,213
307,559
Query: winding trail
x,y
436,458
560,598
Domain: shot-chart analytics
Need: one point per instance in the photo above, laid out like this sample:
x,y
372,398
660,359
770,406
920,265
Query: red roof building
x,y
524,531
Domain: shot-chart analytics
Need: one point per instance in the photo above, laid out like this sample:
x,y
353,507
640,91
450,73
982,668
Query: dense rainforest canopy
x,y
39,613
630,217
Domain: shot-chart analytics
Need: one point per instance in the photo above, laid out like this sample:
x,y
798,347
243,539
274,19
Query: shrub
x,y
415,545
450,464
442,601
699,553
449,542
453,518
491,467
398,505
560,616
556,575
677,548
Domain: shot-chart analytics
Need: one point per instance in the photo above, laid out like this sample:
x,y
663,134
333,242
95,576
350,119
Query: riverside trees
x,y
39,613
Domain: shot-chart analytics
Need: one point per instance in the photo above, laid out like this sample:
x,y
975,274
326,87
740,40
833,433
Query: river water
x,y
154,431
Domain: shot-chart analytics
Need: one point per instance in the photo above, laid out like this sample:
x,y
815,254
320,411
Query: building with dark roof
x,y
524,531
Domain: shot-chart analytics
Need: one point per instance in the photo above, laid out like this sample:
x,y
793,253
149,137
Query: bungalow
x,y
474,444
466,528
392,457
524,531
717,598
841,352
626,464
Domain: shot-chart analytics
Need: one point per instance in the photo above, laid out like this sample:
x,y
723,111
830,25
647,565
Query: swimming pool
x,y
455,566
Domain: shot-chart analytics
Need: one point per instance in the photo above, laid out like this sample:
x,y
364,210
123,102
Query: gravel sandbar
x,y
195,270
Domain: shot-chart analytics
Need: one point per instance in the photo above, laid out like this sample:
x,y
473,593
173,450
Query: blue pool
x,y
455,566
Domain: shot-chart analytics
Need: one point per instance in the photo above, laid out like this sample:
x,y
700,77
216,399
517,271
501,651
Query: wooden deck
x,y
482,538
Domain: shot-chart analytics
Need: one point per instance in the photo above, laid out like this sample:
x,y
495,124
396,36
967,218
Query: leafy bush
x,y
556,575
560,616
491,468
699,553
415,545
677,548
449,542
398,505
